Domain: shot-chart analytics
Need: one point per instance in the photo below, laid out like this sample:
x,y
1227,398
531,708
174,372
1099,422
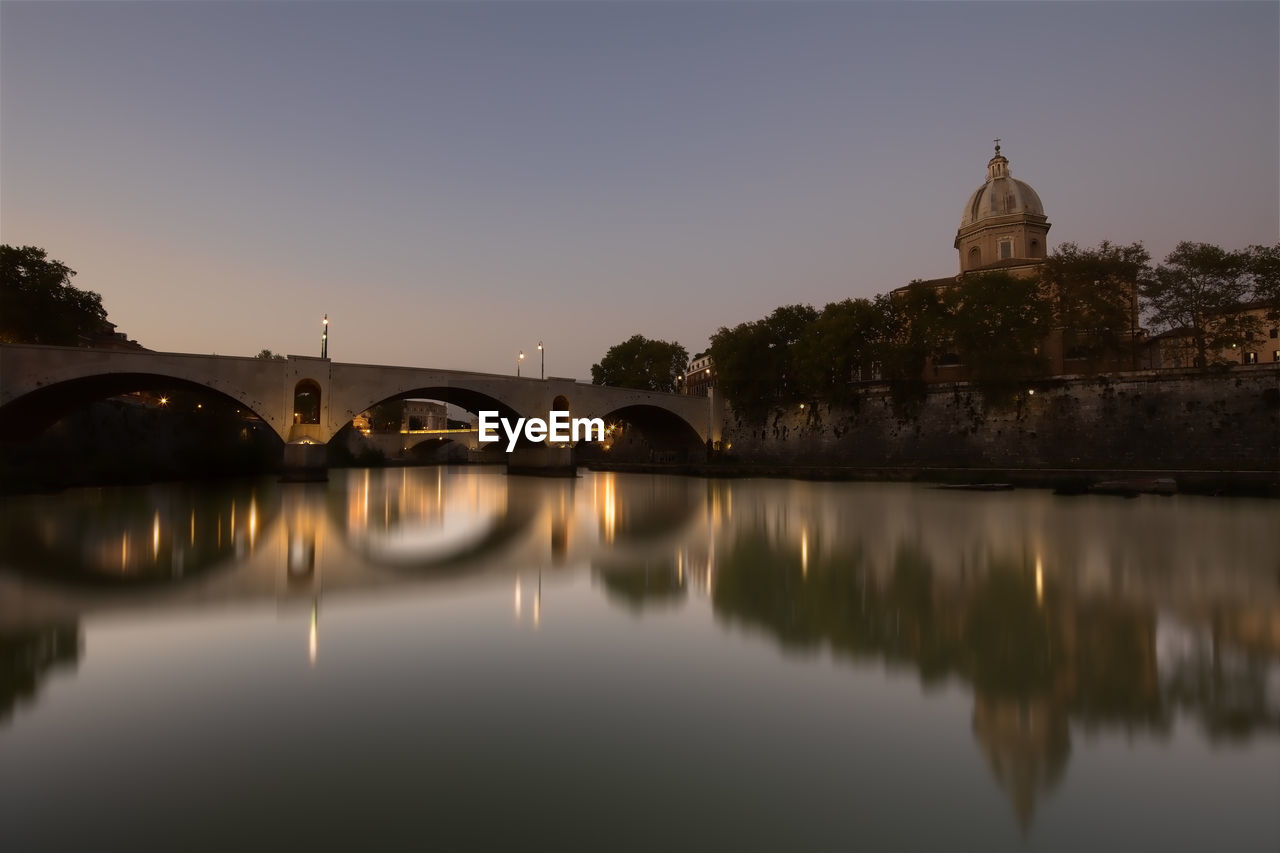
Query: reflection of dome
x,y
1001,195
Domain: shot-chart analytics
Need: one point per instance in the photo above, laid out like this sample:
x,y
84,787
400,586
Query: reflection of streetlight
x,y
313,637
542,371
537,603
519,358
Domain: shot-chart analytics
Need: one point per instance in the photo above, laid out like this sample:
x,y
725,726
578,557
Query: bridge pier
x,y
305,463
542,461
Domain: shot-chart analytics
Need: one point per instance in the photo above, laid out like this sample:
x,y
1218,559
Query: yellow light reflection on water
x,y
517,596
804,551
155,536
313,641
610,509
1039,581
537,603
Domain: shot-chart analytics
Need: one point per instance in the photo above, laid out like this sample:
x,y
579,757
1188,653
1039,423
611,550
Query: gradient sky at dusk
x,y
454,182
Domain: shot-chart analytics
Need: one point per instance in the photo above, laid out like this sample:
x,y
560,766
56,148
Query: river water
x,y
449,658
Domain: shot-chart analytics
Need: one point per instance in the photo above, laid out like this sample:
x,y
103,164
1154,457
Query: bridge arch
x,y
26,416
665,431
472,400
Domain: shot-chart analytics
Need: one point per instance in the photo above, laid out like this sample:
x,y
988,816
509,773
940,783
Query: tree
x,y
387,417
639,362
741,374
268,355
844,344
38,304
1264,270
916,326
1201,288
1095,295
758,365
998,322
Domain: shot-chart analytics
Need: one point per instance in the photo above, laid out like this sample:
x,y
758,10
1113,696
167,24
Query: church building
x,y
1004,229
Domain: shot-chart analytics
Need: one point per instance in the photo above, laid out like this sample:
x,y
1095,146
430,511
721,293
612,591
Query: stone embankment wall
x,y
1226,420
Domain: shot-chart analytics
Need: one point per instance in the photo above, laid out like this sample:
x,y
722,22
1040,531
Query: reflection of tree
x,y
1224,678
28,657
1037,658
1009,650
643,584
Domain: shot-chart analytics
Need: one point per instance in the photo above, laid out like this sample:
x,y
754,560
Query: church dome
x,y
1001,195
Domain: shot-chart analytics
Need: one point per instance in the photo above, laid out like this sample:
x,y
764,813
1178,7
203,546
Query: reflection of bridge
x,y
306,401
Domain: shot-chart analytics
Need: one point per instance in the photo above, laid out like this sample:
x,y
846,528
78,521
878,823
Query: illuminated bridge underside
x,y
39,384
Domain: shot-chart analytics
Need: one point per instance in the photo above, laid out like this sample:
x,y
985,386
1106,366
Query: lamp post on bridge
x,y
542,371
519,358
324,338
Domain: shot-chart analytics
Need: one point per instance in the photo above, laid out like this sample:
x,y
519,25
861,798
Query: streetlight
x,y
542,371
519,358
324,338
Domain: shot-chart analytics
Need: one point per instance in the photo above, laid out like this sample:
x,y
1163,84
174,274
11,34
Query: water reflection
x,y
125,536
28,657
1056,615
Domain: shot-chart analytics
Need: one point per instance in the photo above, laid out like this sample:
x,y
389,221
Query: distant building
x,y
700,378
415,415
1176,347
106,337
424,414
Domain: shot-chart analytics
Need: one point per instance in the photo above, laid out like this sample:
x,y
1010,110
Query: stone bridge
x,y
306,401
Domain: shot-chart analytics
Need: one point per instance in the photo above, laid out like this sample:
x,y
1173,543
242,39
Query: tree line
x,y
994,322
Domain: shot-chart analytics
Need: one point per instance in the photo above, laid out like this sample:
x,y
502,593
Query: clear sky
x,y
453,182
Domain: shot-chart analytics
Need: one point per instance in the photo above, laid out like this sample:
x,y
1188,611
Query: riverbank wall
x,y
1223,420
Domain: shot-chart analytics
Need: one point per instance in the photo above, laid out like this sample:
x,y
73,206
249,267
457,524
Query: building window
x,y
1006,249
1275,356
1250,358
975,257
1275,333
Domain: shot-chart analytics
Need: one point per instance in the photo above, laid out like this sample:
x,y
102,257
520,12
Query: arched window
x,y
560,403
1035,248
306,402
975,257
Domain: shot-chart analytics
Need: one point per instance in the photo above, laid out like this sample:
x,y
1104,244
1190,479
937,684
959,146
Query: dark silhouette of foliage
x,y
1200,288
759,365
1264,269
639,362
38,304
998,322
844,345
1095,296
